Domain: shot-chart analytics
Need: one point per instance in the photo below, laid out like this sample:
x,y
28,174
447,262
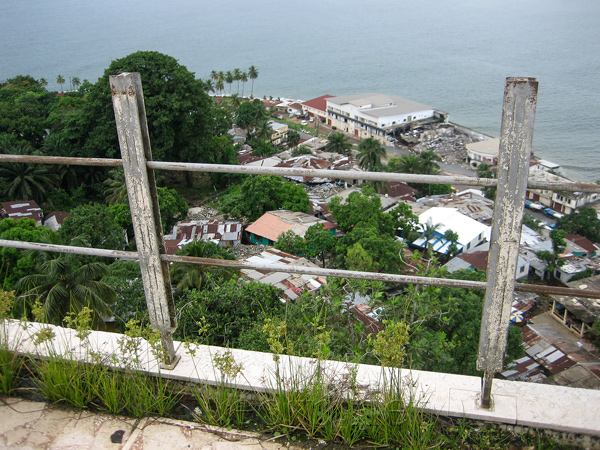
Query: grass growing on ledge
x,y
300,405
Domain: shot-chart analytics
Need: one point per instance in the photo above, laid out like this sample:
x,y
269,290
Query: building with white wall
x,y
562,201
483,152
374,115
470,232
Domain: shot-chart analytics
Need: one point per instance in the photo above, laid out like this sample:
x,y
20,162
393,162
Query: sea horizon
x,y
453,56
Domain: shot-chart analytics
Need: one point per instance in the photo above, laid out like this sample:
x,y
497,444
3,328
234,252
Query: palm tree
x,y
27,181
60,80
237,76
62,284
116,189
339,143
208,86
253,75
428,164
76,82
260,111
221,82
236,101
43,82
453,237
264,131
214,75
195,276
292,138
371,153
70,176
485,171
404,164
220,86
429,231
243,79
12,144
229,79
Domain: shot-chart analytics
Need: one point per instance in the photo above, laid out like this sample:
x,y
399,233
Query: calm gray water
x,y
454,56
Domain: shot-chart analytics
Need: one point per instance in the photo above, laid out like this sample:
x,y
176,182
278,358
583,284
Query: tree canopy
x,y
583,222
94,224
177,108
196,276
259,194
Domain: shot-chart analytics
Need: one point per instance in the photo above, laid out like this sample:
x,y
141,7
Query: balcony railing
x,y
513,167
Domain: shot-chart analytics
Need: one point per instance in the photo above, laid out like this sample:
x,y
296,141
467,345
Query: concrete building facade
x,y
374,115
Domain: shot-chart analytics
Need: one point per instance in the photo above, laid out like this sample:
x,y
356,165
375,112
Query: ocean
x,y
454,56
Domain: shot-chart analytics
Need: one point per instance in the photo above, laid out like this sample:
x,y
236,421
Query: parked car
x,y
304,122
534,205
550,212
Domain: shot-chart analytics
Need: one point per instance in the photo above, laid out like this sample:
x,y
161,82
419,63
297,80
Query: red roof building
x,y
27,209
317,107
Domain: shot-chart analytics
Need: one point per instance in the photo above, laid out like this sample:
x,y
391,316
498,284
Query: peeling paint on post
x,y
516,136
132,128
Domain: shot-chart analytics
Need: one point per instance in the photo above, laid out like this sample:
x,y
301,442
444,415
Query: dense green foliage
x,y
16,263
95,226
196,276
262,193
125,278
24,107
230,310
445,325
177,110
425,164
370,233
62,283
583,222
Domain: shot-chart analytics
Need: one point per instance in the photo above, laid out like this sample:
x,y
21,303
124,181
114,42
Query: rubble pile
x,y
325,190
202,213
448,143
243,251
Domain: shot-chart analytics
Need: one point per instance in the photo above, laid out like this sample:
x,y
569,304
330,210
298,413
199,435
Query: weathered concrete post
x,y
134,140
516,136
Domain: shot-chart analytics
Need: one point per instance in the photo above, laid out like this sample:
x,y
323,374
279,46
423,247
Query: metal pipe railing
x,y
289,171
129,109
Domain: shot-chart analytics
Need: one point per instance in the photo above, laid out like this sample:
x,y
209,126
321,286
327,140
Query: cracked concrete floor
x,y
31,425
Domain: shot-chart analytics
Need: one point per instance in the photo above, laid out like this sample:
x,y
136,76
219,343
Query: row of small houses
x,y
29,209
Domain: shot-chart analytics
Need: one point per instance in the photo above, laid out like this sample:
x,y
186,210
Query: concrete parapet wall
x,y
473,134
514,403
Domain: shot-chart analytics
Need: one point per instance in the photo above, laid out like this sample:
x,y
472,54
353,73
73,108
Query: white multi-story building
x,y
374,115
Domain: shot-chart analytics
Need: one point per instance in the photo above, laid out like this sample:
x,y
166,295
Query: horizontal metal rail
x,y
289,171
278,267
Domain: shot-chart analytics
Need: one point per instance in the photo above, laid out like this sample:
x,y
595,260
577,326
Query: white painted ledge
x,y
516,403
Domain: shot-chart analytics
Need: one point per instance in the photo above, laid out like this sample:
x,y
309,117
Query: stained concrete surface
x,y
28,425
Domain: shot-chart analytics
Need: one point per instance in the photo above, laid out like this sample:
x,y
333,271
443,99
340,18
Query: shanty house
x,y
267,228
27,209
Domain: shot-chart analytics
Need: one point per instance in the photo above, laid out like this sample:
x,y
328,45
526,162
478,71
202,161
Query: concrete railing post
x,y
516,136
134,140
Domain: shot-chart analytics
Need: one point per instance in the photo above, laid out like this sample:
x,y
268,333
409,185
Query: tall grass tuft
x,y
65,380
222,404
11,365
